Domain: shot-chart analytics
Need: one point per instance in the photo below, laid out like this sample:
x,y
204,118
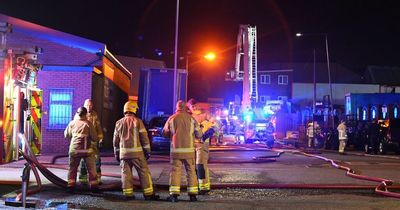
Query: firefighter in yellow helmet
x,y
183,129
208,126
132,149
83,141
94,119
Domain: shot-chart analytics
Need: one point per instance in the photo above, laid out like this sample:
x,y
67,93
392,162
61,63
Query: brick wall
x,y
81,82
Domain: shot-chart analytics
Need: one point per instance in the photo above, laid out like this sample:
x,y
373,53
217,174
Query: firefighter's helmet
x,y
131,106
82,111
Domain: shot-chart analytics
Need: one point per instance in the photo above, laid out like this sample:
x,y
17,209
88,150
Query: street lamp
x,y
210,56
175,95
328,66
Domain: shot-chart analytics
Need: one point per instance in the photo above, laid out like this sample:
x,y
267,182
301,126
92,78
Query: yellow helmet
x,y
131,106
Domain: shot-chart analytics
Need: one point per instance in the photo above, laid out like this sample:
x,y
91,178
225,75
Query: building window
x,y
60,113
282,98
264,99
265,79
373,113
283,79
384,112
364,113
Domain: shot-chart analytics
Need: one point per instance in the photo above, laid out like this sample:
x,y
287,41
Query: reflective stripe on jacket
x,y
82,135
206,121
184,129
94,119
342,131
130,138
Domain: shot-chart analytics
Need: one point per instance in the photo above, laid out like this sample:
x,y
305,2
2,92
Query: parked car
x,y
155,130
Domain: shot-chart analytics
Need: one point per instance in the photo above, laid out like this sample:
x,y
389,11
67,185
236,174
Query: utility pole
x,y
175,94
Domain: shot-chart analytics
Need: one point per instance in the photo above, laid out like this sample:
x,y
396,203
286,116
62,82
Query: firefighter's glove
x,y
100,145
208,134
147,155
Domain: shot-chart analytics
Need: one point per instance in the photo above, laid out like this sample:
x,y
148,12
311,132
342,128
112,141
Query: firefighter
x,y
94,119
342,136
310,133
184,129
132,149
270,135
202,151
313,130
83,142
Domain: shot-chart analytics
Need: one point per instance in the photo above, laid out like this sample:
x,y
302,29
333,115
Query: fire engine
x,y
256,120
20,111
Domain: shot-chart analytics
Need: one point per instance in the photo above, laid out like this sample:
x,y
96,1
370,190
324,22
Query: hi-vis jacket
x,y
94,119
130,138
342,131
184,129
83,137
206,121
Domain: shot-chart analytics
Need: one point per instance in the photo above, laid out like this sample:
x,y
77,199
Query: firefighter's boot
x,y
192,198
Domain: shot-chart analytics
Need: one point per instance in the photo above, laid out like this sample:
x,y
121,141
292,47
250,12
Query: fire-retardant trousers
x,y
310,141
89,161
342,145
83,170
175,177
203,174
143,171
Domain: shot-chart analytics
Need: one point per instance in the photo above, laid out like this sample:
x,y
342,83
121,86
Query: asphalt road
x,y
290,168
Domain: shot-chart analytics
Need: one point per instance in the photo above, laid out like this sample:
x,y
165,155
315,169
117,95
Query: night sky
x,y
360,32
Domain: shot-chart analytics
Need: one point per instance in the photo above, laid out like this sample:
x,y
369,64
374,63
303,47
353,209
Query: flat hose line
x,y
381,189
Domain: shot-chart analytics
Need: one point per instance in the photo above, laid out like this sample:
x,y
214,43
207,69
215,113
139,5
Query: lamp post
x,y
328,67
175,93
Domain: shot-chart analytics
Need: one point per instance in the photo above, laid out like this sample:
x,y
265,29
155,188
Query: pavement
x,y
10,173
228,165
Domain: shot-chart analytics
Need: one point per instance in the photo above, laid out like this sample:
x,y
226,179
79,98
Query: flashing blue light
x,y
395,114
248,118
268,110
158,52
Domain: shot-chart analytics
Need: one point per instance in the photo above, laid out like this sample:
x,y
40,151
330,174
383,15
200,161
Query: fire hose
x,y
381,189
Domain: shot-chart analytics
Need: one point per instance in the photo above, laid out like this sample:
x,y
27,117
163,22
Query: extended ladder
x,y
247,47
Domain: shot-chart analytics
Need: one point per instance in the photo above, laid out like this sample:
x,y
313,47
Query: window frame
x,y
58,121
264,97
282,97
266,80
281,79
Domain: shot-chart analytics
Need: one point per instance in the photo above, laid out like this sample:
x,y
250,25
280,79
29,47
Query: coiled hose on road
x,y
381,189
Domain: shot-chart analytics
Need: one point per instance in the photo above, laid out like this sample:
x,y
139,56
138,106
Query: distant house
x,y
74,69
274,84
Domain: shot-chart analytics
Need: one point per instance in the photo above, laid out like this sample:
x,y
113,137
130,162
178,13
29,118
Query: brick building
x,y
74,69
